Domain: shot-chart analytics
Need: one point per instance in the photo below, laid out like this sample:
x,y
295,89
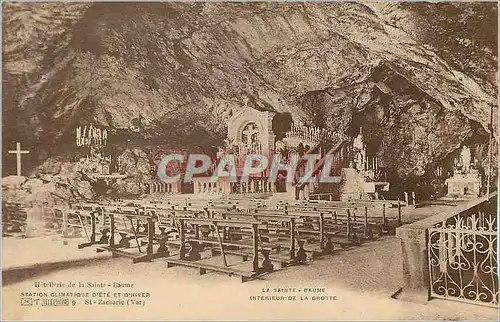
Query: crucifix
x,y
18,152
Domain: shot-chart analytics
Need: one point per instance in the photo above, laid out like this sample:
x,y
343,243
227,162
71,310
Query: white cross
x,y
18,151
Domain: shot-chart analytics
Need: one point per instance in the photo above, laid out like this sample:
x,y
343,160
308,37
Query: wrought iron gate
x,y
463,257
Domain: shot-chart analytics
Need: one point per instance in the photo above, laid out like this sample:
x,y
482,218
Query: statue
x,y
250,138
466,180
360,151
465,159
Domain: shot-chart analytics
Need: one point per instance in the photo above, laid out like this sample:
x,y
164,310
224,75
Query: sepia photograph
x,y
248,160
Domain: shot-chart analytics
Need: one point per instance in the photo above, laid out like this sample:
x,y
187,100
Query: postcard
x,y
179,161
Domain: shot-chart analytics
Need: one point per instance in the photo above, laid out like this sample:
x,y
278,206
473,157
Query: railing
x,y
163,187
462,252
339,152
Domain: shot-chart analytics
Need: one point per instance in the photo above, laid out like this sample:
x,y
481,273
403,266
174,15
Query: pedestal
x,y
415,264
352,185
464,186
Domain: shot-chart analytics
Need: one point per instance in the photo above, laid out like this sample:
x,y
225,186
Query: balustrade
x,y
453,255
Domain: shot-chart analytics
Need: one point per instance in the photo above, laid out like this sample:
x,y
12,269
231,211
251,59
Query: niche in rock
x,y
282,122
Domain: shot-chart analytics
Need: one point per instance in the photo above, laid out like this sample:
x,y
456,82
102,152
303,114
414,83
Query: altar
x,y
464,185
466,181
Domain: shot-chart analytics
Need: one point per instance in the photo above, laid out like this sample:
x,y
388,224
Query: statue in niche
x,y
250,138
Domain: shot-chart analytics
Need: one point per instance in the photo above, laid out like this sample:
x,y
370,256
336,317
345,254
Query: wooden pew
x,y
292,228
104,237
78,219
192,258
368,228
166,217
134,232
375,204
243,208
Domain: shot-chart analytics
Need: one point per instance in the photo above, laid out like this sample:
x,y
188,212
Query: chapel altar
x,y
466,181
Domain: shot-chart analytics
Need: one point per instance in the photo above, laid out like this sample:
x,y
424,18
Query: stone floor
x,y
362,280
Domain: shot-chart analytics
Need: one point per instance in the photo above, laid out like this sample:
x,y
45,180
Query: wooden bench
x,y
194,242
203,268
106,242
282,261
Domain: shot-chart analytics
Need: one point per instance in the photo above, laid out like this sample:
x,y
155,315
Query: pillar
x,y
415,263
301,194
290,191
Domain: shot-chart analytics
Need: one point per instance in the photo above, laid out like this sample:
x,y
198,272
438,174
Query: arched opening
x,y
282,123
301,149
250,136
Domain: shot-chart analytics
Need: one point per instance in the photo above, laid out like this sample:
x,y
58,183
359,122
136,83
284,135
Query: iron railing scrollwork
x,y
462,254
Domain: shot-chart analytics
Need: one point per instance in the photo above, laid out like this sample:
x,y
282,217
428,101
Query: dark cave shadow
x,y
16,275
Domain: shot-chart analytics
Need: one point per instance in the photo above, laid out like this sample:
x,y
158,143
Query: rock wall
x,y
421,81
138,168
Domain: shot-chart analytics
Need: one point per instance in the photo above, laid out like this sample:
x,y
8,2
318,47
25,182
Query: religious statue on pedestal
x,y
359,150
465,159
466,180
